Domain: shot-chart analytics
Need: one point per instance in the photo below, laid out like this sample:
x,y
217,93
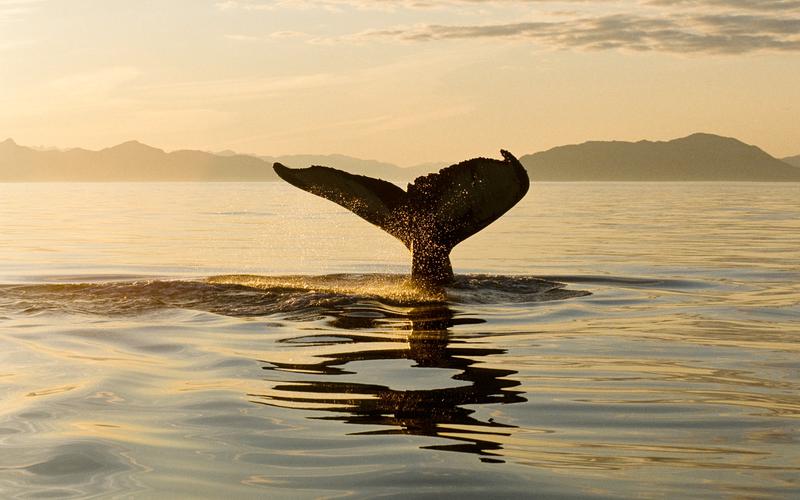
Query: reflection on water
x,y
431,412
658,357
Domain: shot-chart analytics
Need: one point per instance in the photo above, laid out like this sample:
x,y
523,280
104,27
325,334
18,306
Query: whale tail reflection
x,y
437,212
440,412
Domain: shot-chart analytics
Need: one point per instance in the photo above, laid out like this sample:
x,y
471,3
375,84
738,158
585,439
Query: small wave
x,y
487,289
633,282
291,296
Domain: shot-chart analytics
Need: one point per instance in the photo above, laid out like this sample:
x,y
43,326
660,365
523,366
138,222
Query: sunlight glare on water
x,y
243,340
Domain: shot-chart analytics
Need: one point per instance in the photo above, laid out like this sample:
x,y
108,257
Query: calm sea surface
x,y
251,340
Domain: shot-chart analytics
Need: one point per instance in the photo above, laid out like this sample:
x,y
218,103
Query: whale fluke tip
x,y
508,156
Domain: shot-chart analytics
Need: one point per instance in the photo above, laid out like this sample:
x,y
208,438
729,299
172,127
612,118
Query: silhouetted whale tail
x,y
437,212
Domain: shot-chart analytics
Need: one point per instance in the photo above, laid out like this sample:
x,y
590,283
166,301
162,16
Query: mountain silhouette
x,y
698,157
129,161
792,160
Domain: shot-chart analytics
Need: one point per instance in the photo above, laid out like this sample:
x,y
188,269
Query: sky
x,y
405,81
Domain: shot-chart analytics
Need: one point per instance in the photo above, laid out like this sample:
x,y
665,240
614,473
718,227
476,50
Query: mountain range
x,y
698,157
793,160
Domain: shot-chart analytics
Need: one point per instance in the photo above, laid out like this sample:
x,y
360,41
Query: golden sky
x,y
405,81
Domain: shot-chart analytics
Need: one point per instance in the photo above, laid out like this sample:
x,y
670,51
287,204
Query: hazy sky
x,y
403,81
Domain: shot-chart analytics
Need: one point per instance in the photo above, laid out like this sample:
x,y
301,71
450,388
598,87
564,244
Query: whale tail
x,y
434,214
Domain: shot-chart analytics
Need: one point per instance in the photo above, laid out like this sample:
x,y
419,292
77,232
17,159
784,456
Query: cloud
x,y
94,83
380,4
243,38
698,33
243,89
15,10
276,35
673,26
753,5
766,5
744,24
18,4
288,34
15,44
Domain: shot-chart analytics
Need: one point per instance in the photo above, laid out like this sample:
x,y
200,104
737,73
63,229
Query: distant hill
x,y
792,160
698,157
129,161
134,161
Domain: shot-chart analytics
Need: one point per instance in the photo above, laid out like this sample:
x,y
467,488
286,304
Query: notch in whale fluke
x,y
434,214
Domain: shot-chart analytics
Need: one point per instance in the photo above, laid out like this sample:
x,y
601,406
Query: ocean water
x,y
253,341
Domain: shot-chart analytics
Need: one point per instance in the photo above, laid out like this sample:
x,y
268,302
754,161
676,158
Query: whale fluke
x,y
434,214
374,200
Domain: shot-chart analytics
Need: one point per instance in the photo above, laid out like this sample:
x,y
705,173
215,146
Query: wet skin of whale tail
x,y
437,212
